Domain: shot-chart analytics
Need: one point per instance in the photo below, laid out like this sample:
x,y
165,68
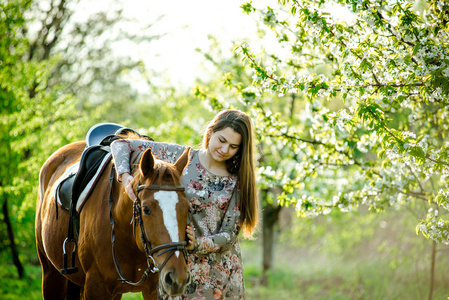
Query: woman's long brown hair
x,y
241,164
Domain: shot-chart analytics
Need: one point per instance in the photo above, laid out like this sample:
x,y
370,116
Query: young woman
x,y
220,185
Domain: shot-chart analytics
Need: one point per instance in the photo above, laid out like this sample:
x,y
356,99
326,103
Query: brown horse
x,y
157,242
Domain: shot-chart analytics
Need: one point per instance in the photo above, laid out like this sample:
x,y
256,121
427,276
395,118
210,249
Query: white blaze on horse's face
x,y
167,202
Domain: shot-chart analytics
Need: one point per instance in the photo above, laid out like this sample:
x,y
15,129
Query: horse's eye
x,y
146,210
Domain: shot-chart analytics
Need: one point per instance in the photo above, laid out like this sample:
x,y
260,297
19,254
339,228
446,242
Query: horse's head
x,y
163,209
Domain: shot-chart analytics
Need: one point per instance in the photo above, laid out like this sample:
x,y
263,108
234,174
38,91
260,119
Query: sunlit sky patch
x,y
186,25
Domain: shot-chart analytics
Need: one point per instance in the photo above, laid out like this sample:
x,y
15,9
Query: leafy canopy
x,y
371,124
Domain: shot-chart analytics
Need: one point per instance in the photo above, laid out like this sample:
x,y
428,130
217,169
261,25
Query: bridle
x,y
137,220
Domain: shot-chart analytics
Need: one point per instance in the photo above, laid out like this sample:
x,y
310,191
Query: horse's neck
x,y
134,160
123,207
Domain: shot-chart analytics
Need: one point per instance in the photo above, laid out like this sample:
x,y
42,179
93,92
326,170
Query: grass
x,y
333,279
390,263
12,288
300,276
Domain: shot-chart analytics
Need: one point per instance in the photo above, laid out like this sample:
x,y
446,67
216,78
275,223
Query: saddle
x,y
77,183
79,180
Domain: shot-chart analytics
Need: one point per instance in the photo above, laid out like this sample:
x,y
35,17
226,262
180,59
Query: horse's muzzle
x,y
174,283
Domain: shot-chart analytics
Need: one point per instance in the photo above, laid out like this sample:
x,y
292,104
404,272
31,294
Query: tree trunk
x,y
432,270
270,217
14,252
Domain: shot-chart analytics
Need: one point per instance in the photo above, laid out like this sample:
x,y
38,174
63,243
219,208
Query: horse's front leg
x,y
152,295
96,288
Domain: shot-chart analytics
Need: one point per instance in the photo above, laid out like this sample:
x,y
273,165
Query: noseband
x,y
137,220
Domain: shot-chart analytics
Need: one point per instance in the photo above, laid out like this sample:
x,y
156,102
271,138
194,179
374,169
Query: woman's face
x,y
224,144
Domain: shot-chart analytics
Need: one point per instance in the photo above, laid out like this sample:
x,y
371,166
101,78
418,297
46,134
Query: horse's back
x,y
56,165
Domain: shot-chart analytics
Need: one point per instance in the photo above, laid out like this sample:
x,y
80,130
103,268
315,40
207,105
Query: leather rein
x,y
137,220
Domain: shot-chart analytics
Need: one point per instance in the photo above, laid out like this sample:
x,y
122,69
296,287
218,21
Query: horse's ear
x,y
147,162
182,161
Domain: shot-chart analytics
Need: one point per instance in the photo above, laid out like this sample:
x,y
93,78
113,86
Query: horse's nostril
x,y
169,278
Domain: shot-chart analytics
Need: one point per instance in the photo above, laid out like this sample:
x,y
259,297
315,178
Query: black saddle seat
x,y
91,160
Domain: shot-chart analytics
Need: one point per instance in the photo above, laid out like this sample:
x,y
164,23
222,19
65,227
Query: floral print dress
x,y
215,264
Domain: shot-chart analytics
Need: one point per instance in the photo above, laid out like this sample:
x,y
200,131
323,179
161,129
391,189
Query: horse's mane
x,y
163,171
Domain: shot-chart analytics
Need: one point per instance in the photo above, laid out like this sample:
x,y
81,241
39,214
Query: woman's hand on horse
x,y
190,237
127,181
